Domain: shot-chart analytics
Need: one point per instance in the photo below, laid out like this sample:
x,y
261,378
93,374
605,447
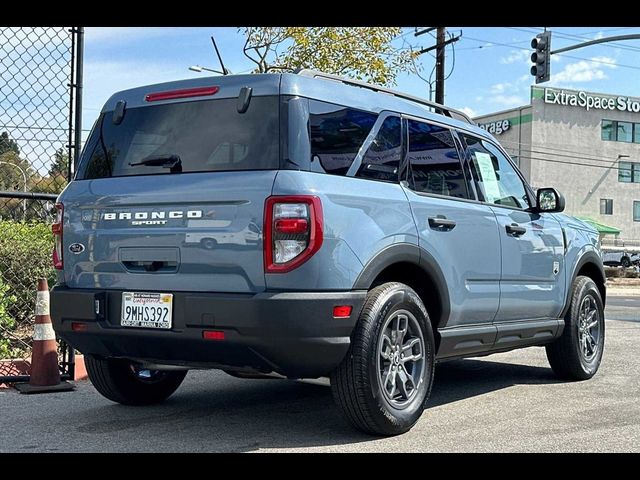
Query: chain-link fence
x,y
39,126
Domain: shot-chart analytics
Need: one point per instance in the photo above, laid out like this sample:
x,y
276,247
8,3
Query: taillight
x,y
292,231
56,228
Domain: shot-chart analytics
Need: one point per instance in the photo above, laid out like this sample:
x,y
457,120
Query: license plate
x,y
146,310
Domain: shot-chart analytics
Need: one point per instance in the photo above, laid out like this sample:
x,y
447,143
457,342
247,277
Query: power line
x,y
570,36
554,154
555,150
559,54
612,167
453,62
492,44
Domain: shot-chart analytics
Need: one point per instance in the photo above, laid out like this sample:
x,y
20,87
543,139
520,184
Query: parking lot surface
x,y
505,402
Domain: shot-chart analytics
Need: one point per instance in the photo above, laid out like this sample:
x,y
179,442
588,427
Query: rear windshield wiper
x,y
172,162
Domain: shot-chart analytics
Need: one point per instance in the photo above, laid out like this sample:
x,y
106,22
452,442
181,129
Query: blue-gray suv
x,y
304,225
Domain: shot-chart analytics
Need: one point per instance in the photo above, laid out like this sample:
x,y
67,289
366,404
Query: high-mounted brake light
x,y
56,228
293,231
183,93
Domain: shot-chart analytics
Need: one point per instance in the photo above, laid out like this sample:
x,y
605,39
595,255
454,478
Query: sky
x,y
488,71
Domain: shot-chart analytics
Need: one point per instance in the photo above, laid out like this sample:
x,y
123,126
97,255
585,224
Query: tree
x,y
13,171
8,144
60,163
364,53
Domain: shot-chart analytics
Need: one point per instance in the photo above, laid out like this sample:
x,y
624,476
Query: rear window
x,y
205,136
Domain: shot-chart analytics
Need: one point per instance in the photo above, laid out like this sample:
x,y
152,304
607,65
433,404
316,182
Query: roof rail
x,y
450,112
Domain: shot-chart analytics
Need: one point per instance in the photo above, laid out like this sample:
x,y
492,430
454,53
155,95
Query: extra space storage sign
x,y
496,128
591,101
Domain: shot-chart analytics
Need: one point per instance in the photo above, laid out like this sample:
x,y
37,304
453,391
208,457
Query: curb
x,y
623,291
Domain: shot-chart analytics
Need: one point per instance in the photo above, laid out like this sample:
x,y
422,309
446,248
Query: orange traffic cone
x,y
45,373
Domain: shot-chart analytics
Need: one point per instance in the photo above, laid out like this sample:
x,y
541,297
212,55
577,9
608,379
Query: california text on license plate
x,y
146,310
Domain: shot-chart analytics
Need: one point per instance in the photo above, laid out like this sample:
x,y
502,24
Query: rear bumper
x,y
291,333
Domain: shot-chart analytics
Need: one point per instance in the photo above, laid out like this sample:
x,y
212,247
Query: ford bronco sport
x,y
305,225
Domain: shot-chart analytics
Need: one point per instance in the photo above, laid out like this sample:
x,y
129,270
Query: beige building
x,y
585,144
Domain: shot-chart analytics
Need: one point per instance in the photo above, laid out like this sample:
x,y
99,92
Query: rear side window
x,y
382,160
205,135
434,161
337,133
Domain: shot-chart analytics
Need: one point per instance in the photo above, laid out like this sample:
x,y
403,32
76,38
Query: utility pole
x,y
440,56
439,47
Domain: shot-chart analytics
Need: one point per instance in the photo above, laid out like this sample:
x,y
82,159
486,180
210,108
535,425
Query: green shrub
x,y
7,323
25,256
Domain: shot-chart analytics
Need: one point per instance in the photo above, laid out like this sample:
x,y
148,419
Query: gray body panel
x,y
529,282
498,291
232,208
472,276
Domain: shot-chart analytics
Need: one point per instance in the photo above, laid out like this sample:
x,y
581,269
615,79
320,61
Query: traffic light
x,y
541,57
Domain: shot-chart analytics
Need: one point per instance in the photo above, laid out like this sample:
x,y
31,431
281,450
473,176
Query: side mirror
x,y
549,200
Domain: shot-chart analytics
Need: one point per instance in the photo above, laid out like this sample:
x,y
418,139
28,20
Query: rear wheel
x,y
123,382
385,379
577,354
626,262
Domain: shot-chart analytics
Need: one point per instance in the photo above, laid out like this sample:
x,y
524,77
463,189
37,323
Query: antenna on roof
x,y
224,70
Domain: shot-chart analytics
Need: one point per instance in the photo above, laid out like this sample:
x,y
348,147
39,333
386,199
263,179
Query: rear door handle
x,y
441,223
515,230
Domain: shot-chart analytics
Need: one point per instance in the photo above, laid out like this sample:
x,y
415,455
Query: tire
x,y
120,382
574,356
625,262
358,383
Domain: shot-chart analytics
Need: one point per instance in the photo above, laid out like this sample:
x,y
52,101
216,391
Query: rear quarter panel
x,y
361,217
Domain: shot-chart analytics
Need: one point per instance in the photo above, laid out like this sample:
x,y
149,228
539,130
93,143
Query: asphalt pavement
x,y
505,402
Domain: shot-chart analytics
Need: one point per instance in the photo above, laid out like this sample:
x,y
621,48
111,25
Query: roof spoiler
x,y
438,108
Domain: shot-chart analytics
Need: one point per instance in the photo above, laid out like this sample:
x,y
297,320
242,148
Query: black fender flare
x,y
407,253
592,257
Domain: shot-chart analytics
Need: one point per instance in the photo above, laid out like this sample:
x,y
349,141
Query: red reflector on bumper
x,y
79,327
342,311
213,335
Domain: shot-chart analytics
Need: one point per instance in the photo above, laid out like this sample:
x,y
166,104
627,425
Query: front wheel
x,y
577,354
626,262
385,379
123,382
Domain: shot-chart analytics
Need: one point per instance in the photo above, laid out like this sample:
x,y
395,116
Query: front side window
x,y
382,160
434,161
337,133
198,136
496,179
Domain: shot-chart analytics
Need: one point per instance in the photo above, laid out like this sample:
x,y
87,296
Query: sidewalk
x,y
622,291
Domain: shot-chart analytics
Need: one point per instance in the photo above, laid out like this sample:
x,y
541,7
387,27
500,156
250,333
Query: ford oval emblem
x,y
76,248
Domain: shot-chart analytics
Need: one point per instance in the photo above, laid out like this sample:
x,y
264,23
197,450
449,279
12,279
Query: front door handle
x,y
441,223
515,230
